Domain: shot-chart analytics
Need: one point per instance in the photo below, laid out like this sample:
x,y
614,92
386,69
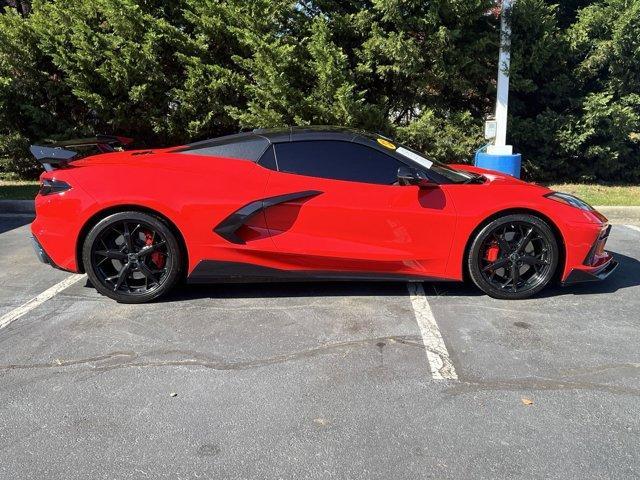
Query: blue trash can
x,y
509,164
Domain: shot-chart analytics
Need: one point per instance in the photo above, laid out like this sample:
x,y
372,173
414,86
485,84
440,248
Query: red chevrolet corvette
x,y
304,203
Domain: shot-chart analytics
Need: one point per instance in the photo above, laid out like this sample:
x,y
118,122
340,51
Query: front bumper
x,y
602,272
598,263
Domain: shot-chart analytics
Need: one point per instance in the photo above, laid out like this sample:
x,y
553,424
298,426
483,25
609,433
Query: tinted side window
x,y
268,159
337,160
250,149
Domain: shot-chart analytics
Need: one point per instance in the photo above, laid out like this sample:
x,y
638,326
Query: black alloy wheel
x,y
132,257
513,257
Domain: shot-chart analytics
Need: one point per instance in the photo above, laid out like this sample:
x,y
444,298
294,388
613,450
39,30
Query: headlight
x,y
570,200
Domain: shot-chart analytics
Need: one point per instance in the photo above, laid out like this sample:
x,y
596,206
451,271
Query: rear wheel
x,y
513,257
132,257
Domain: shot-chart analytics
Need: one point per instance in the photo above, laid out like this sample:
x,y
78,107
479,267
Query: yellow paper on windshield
x,y
386,143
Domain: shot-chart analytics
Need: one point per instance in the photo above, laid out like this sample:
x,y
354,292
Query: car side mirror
x,y
413,176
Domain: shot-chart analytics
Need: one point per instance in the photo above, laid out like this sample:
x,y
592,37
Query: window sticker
x,y
415,157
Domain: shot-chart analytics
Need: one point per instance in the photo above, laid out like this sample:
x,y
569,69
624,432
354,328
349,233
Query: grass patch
x,y
605,195
18,189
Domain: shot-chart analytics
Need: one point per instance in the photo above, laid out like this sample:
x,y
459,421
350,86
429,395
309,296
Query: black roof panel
x,y
278,135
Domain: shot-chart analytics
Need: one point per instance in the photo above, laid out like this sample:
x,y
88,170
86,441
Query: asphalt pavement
x,y
318,380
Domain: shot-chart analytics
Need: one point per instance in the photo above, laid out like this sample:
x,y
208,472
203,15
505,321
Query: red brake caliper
x,y
156,257
491,254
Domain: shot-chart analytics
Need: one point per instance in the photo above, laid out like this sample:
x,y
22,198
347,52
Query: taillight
x,y
48,187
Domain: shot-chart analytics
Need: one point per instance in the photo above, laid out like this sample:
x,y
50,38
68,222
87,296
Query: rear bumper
x,y
42,254
595,275
59,220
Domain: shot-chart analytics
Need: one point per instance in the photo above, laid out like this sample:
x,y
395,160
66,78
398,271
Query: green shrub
x,y
173,72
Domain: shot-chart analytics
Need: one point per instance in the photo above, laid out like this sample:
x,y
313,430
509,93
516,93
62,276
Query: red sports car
x,y
304,203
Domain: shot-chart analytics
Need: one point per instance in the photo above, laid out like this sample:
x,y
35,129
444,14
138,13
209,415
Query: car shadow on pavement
x,y
11,222
286,289
627,275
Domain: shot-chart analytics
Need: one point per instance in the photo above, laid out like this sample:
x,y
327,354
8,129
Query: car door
x,y
350,215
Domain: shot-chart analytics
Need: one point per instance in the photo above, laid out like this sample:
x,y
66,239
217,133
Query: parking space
x,y
319,380
20,278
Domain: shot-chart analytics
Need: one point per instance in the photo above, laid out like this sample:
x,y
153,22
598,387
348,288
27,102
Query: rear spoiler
x,y
53,155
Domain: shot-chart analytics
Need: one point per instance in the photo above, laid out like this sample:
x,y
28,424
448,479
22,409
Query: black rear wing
x,y
53,155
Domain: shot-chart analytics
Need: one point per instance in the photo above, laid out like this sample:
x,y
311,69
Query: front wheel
x,y
513,257
132,257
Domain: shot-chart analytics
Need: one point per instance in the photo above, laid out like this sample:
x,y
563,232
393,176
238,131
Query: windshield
x,y
453,176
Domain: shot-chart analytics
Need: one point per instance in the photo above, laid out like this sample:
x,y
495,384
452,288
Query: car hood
x,y
495,177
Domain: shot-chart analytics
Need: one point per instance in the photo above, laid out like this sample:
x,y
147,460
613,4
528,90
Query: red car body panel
x,y
410,231
372,228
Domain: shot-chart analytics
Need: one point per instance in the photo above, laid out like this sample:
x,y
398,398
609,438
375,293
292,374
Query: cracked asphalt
x,y
317,380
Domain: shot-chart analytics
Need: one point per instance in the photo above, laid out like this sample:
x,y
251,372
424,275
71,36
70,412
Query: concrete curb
x,y
618,211
617,214
17,206
621,215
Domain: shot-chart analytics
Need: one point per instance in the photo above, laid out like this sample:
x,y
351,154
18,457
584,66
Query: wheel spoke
x,y
114,254
122,276
502,243
496,265
515,276
532,260
146,271
135,238
525,240
150,248
127,237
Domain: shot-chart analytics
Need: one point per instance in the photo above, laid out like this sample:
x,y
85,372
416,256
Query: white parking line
x,y
439,362
26,307
633,227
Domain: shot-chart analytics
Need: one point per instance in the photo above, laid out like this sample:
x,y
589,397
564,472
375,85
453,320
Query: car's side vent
x,y
229,226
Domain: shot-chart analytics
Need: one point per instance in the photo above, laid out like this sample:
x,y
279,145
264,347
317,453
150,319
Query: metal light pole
x,y
499,156
500,146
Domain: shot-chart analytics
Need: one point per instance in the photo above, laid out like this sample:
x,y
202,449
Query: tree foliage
x,y
575,111
168,72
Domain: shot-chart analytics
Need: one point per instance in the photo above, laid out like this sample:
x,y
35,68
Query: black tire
x,y
132,257
513,257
